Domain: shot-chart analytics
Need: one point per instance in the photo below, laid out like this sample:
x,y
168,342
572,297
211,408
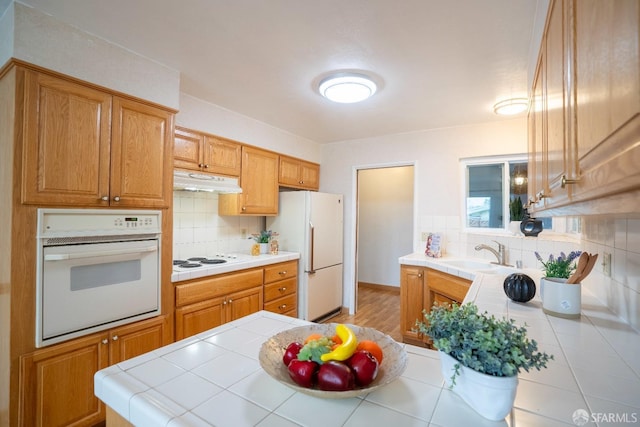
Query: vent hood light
x,y
347,88
189,181
510,107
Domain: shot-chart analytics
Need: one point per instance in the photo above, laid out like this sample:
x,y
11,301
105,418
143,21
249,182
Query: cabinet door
x,y
289,171
243,303
446,288
138,338
558,151
221,156
607,85
310,173
66,142
412,300
187,149
199,317
56,384
141,155
536,167
259,182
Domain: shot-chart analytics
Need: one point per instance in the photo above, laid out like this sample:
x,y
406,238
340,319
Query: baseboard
x,y
387,288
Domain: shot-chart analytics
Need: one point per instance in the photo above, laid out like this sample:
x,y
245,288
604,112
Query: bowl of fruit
x,y
333,360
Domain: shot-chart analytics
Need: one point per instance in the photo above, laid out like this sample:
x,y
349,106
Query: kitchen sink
x,y
478,266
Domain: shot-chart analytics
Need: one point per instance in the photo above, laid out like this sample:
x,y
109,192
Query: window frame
x,y
505,161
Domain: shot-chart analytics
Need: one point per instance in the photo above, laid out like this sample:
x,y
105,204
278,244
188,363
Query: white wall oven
x,y
96,269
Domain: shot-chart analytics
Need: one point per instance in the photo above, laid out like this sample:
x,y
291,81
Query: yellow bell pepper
x,y
344,350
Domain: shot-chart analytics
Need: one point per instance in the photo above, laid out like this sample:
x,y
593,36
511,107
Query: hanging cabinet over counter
x,y
584,121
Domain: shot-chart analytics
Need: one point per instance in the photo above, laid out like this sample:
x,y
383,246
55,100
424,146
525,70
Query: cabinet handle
x,y
300,182
244,208
115,338
224,302
200,165
419,274
282,307
105,341
104,198
282,289
206,166
116,199
230,301
566,181
282,273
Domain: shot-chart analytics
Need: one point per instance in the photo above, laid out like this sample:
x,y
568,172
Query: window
x,y
495,190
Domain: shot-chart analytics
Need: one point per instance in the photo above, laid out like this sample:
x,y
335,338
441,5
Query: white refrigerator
x,y
311,223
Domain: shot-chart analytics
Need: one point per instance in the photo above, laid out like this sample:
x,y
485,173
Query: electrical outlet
x,y
243,233
425,236
606,264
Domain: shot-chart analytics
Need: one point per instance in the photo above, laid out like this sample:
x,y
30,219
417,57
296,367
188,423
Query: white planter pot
x,y
492,397
264,248
514,228
560,299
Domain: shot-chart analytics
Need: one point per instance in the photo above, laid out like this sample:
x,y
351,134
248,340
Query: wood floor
x,y
378,308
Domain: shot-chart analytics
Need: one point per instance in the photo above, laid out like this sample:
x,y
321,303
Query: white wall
x,y
198,230
206,117
42,40
436,155
385,223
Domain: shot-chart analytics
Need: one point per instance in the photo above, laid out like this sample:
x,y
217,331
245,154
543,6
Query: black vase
x,y
519,287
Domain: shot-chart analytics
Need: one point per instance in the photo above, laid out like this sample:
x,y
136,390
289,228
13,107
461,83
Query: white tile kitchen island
x,y
215,378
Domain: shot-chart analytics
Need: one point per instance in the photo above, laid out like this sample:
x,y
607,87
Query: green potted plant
x,y
481,355
516,215
263,238
559,298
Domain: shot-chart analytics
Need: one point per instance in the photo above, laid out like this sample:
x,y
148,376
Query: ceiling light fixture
x,y
510,107
347,88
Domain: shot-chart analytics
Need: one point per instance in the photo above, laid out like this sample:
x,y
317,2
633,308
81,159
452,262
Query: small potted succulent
x,y
481,355
559,298
516,215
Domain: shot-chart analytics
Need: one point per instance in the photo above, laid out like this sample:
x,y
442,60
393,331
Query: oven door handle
x,y
62,257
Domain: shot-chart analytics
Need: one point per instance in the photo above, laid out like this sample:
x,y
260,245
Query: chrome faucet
x,y
500,253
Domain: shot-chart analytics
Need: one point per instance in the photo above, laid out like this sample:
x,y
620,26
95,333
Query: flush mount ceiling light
x,y
347,88
512,106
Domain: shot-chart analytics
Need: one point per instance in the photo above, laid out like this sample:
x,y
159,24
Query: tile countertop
x,y
215,378
247,261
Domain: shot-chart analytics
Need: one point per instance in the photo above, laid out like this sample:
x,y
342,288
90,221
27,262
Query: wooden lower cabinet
x,y
420,288
202,304
56,383
281,288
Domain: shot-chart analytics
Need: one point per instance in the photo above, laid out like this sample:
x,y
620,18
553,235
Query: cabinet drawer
x,y
200,290
282,305
281,271
279,289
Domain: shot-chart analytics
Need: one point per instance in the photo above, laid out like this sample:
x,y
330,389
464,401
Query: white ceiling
x,y
439,63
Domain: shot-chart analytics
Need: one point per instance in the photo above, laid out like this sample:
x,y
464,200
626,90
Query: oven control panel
x,y
87,222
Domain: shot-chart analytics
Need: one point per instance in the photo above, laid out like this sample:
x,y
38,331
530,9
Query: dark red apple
x,y
364,366
335,376
303,372
291,352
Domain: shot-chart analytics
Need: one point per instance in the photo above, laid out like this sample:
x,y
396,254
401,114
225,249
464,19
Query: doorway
x,y
384,225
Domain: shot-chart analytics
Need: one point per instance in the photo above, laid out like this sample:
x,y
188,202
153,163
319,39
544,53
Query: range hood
x,y
192,181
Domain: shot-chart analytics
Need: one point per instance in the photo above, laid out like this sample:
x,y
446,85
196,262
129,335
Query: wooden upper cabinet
x,y
206,153
296,173
188,149
259,182
85,147
67,136
585,139
141,166
607,98
221,156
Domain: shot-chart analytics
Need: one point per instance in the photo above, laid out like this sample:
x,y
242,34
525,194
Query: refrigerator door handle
x,y
312,231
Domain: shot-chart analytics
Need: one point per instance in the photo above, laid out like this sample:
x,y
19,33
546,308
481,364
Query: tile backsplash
x,y
617,236
198,230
